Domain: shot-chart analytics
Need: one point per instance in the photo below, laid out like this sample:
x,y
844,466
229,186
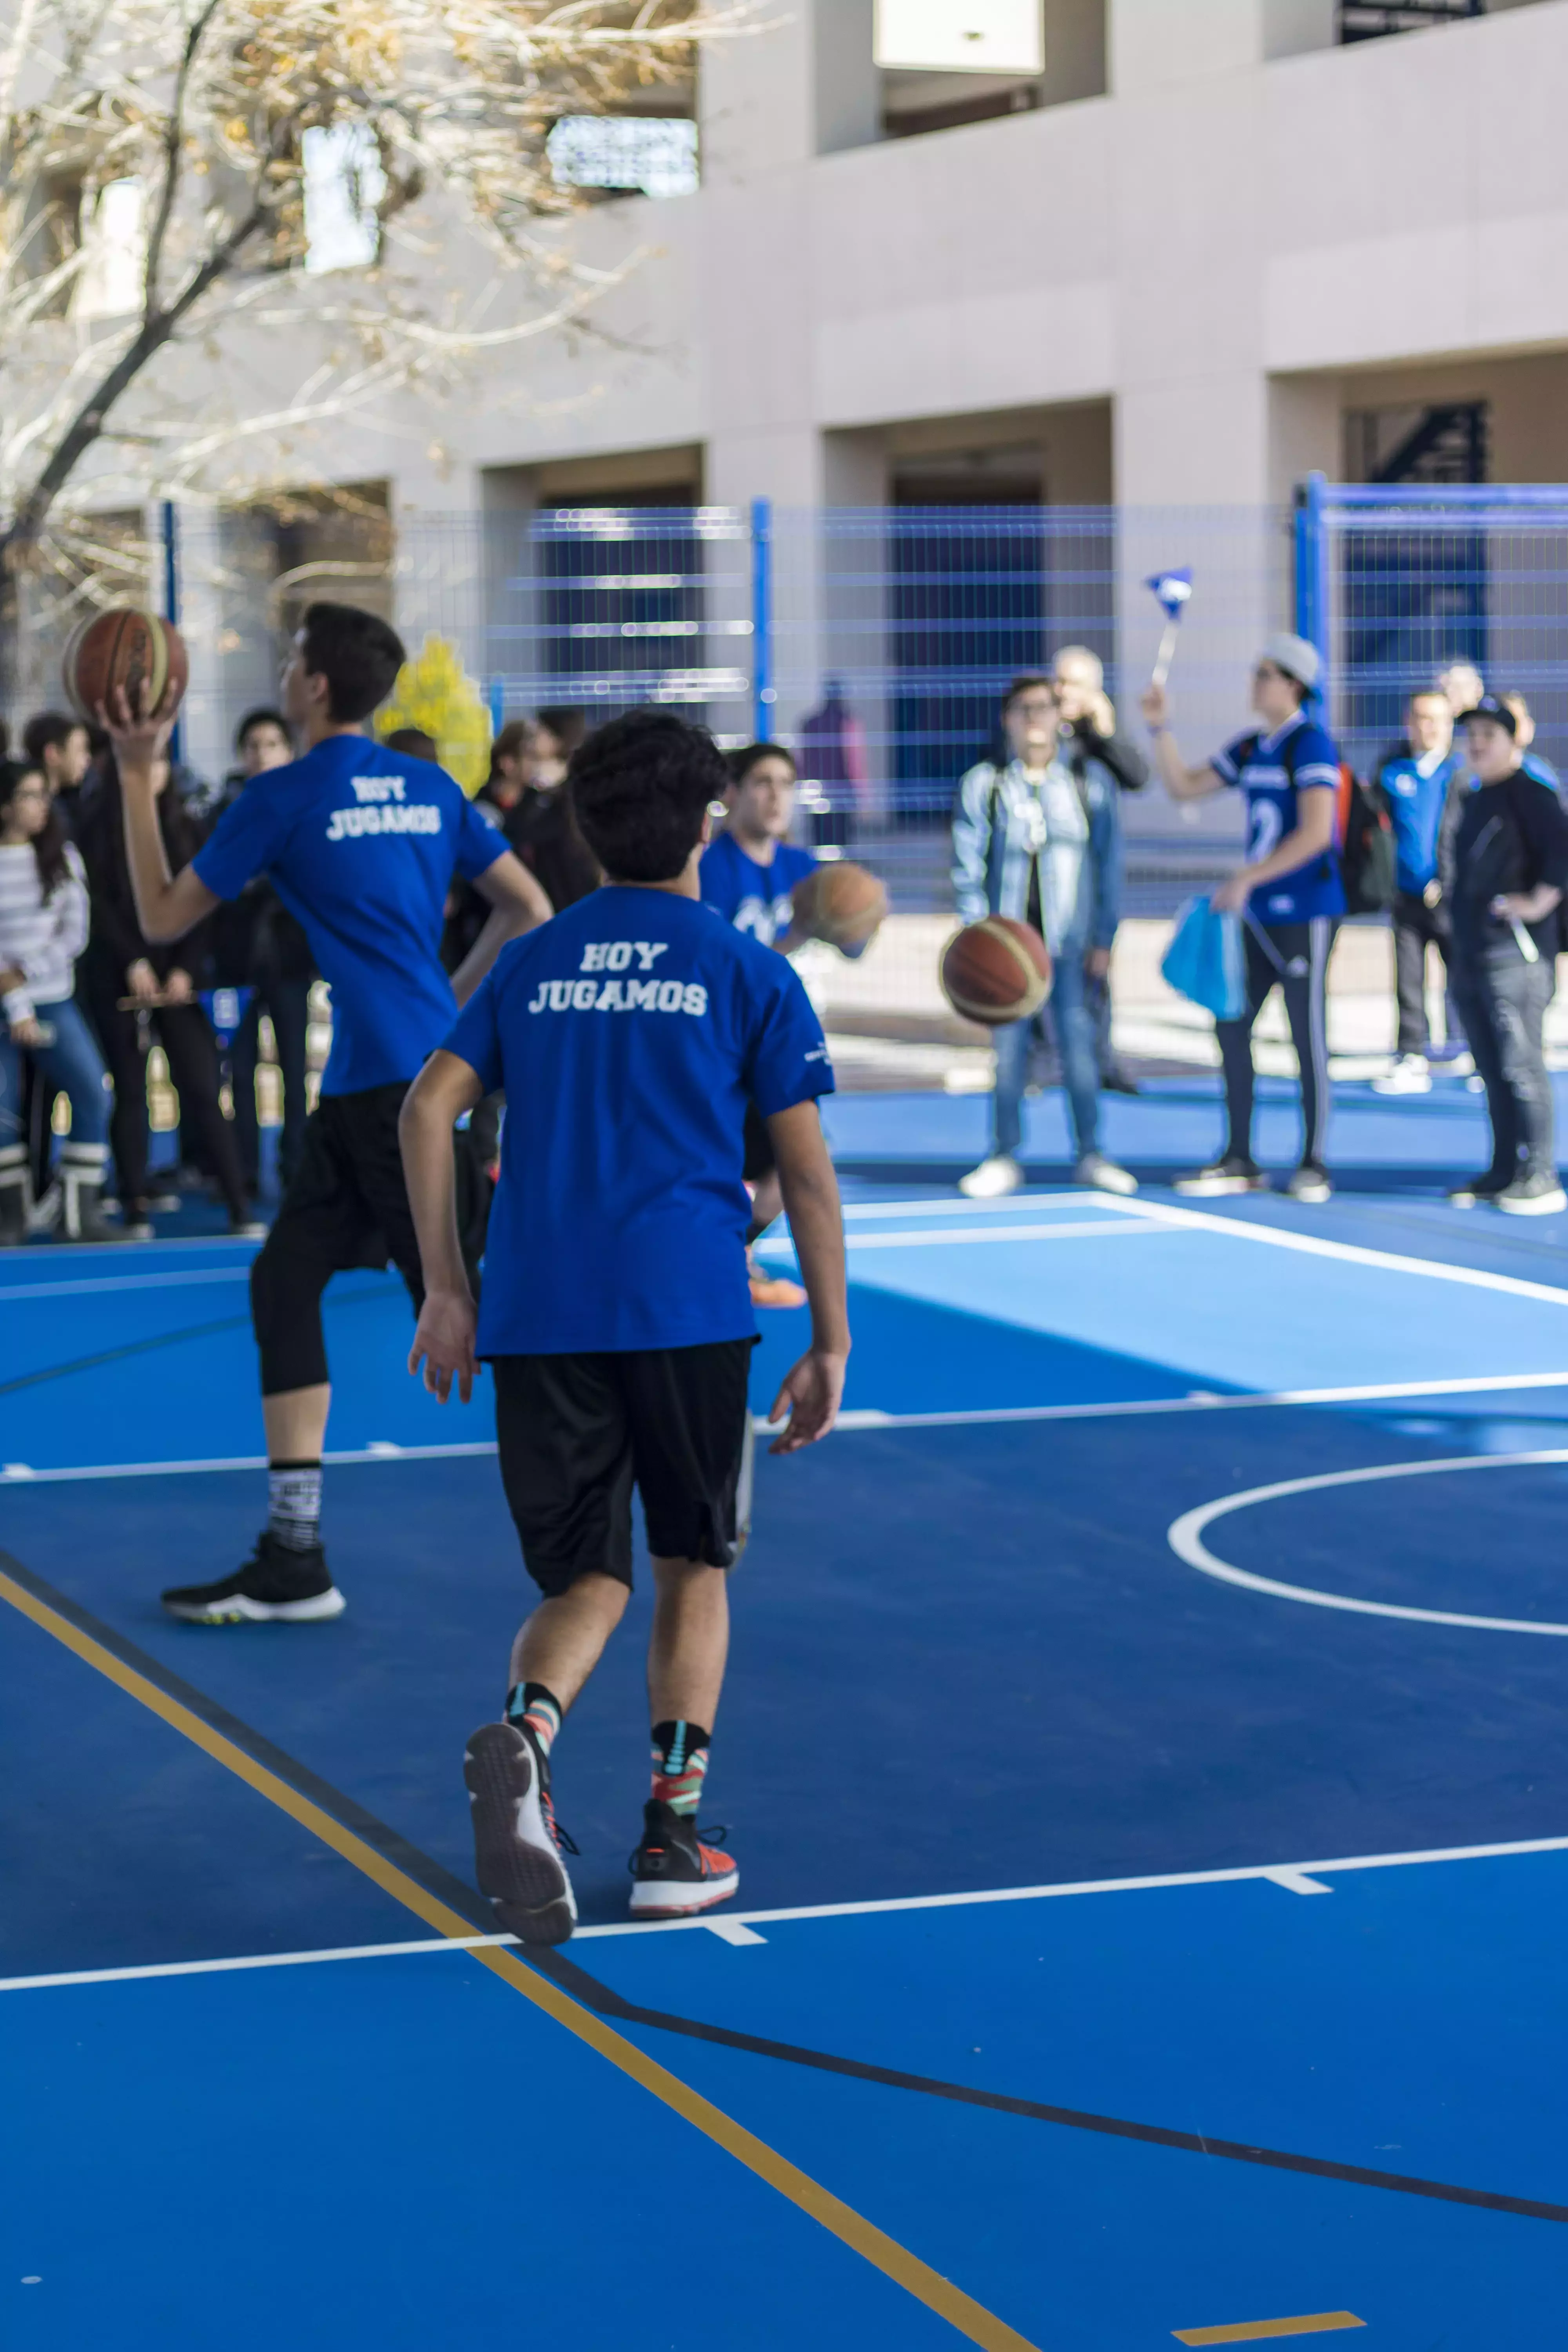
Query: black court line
x,y
606,2002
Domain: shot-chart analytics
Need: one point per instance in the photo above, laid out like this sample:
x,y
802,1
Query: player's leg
x,y
1236,1171
1522,992
1473,1000
190,1049
566,1469
1305,948
688,1412
319,1231
1000,1172
1078,1044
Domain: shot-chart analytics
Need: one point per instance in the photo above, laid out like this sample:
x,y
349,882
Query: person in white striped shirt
x,y
43,929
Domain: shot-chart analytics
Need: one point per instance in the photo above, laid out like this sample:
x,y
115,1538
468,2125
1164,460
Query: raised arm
x,y
814,1389
445,1087
1183,784
167,905
516,905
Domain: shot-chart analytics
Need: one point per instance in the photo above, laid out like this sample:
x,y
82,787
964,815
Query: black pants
x,y
1296,956
287,1002
186,1035
347,1206
1502,1002
1416,927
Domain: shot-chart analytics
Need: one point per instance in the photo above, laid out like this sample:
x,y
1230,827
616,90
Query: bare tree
x,y
169,145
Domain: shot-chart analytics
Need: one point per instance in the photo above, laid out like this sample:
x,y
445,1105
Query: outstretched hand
x,y
444,1340
813,1391
1155,705
139,735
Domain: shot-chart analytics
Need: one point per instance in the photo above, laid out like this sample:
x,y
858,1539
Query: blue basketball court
x,y
1145,1749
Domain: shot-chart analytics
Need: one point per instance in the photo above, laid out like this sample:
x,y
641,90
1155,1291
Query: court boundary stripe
x,y
609,2003
857,1418
1277,1873
145,1682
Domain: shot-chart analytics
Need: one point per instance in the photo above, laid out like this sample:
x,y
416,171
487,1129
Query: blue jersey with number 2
x,y
1273,771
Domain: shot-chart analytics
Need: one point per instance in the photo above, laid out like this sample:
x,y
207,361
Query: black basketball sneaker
x,y
517,1840
673,1873
276,1586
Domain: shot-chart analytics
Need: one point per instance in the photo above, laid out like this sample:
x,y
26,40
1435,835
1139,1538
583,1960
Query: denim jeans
x,y
72,1066
1072,1019
1502,1002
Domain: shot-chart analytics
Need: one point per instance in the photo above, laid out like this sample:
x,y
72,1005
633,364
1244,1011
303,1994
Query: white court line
x,y
1084,1229
856,1418
1015,1201
1351,1252
1295,1877
1185,1539
14,1293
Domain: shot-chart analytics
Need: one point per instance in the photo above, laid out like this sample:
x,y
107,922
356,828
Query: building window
x,y
637,154
344,184
1445,442
1366,20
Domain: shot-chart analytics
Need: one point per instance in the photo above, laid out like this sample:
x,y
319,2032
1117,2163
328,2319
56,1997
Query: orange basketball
x,y
126,647
996,970
840,903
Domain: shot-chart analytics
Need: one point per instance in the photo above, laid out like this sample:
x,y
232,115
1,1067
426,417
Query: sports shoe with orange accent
x,y
673,1873
772,1290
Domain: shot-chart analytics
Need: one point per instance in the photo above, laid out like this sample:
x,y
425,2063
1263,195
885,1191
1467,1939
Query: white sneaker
x,y
1409,1075
992,1180
1104,1174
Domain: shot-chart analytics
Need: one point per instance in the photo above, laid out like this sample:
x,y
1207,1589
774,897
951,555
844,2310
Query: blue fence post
x,y
497,707
171,600
762,694
1313,597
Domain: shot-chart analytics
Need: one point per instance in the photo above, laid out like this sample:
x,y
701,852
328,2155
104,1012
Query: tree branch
x,y
174,141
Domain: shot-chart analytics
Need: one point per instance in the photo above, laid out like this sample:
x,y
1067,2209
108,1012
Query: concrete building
x,y
1214,245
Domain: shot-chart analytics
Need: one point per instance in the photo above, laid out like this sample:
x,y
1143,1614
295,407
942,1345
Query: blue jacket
x,y
1416,805
994,829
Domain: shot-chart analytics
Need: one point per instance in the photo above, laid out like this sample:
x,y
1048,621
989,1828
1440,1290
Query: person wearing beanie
x,y
1289,894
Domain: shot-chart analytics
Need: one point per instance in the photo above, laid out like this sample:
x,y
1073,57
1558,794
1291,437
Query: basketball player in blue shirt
x,y
360,844
630,1035
1289,891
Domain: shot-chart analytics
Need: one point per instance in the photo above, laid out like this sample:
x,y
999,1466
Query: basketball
x,y
125,646
840,903
996,970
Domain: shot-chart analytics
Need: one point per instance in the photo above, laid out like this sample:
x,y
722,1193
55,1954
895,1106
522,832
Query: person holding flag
x,y
1288,893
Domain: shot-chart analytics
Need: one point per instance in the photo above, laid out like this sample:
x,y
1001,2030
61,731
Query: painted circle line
x,y
1185,1539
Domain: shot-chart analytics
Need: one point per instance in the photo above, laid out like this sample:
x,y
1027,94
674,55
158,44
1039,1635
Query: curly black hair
x,y
640,787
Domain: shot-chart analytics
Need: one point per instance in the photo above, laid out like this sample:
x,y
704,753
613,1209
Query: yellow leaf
x,y
434,692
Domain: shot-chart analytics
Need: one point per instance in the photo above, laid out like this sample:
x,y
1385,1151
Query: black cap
x,y
1490,707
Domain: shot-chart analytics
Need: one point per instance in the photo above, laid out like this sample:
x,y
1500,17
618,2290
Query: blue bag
x,y
1206,961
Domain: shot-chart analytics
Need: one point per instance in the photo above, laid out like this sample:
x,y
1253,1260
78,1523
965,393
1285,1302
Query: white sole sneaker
x,y
1105,1176
239,1609
993,1180
665,1899
1214,1188
1545,1204
517,1860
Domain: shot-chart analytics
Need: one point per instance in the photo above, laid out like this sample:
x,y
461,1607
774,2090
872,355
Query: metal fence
x,y
877,641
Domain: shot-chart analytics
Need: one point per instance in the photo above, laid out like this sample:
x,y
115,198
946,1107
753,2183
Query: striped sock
x,y
294,1504
533,1704
679,1765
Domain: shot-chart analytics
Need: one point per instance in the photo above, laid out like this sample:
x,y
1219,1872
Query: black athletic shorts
x,y
576,1432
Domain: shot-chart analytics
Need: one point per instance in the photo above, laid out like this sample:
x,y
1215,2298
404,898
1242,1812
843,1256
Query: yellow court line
x,y
1256,2331
906,2270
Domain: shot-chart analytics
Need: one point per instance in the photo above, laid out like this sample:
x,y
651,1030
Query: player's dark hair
x,y
1026,683
413,744
639,788
741,763
262,716
46,731
357,653
568,727
510,743
49,845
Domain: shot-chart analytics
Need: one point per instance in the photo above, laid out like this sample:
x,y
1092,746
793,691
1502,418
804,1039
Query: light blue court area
x,y
1145,1748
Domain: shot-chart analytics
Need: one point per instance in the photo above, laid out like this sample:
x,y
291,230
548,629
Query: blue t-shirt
x,y
360,844
1416,805
629,1035
753,897
1272,771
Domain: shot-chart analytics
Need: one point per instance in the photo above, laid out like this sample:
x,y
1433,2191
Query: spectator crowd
x,y
85,997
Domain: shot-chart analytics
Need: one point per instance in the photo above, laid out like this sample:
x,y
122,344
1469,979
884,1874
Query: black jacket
x,y
116,940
